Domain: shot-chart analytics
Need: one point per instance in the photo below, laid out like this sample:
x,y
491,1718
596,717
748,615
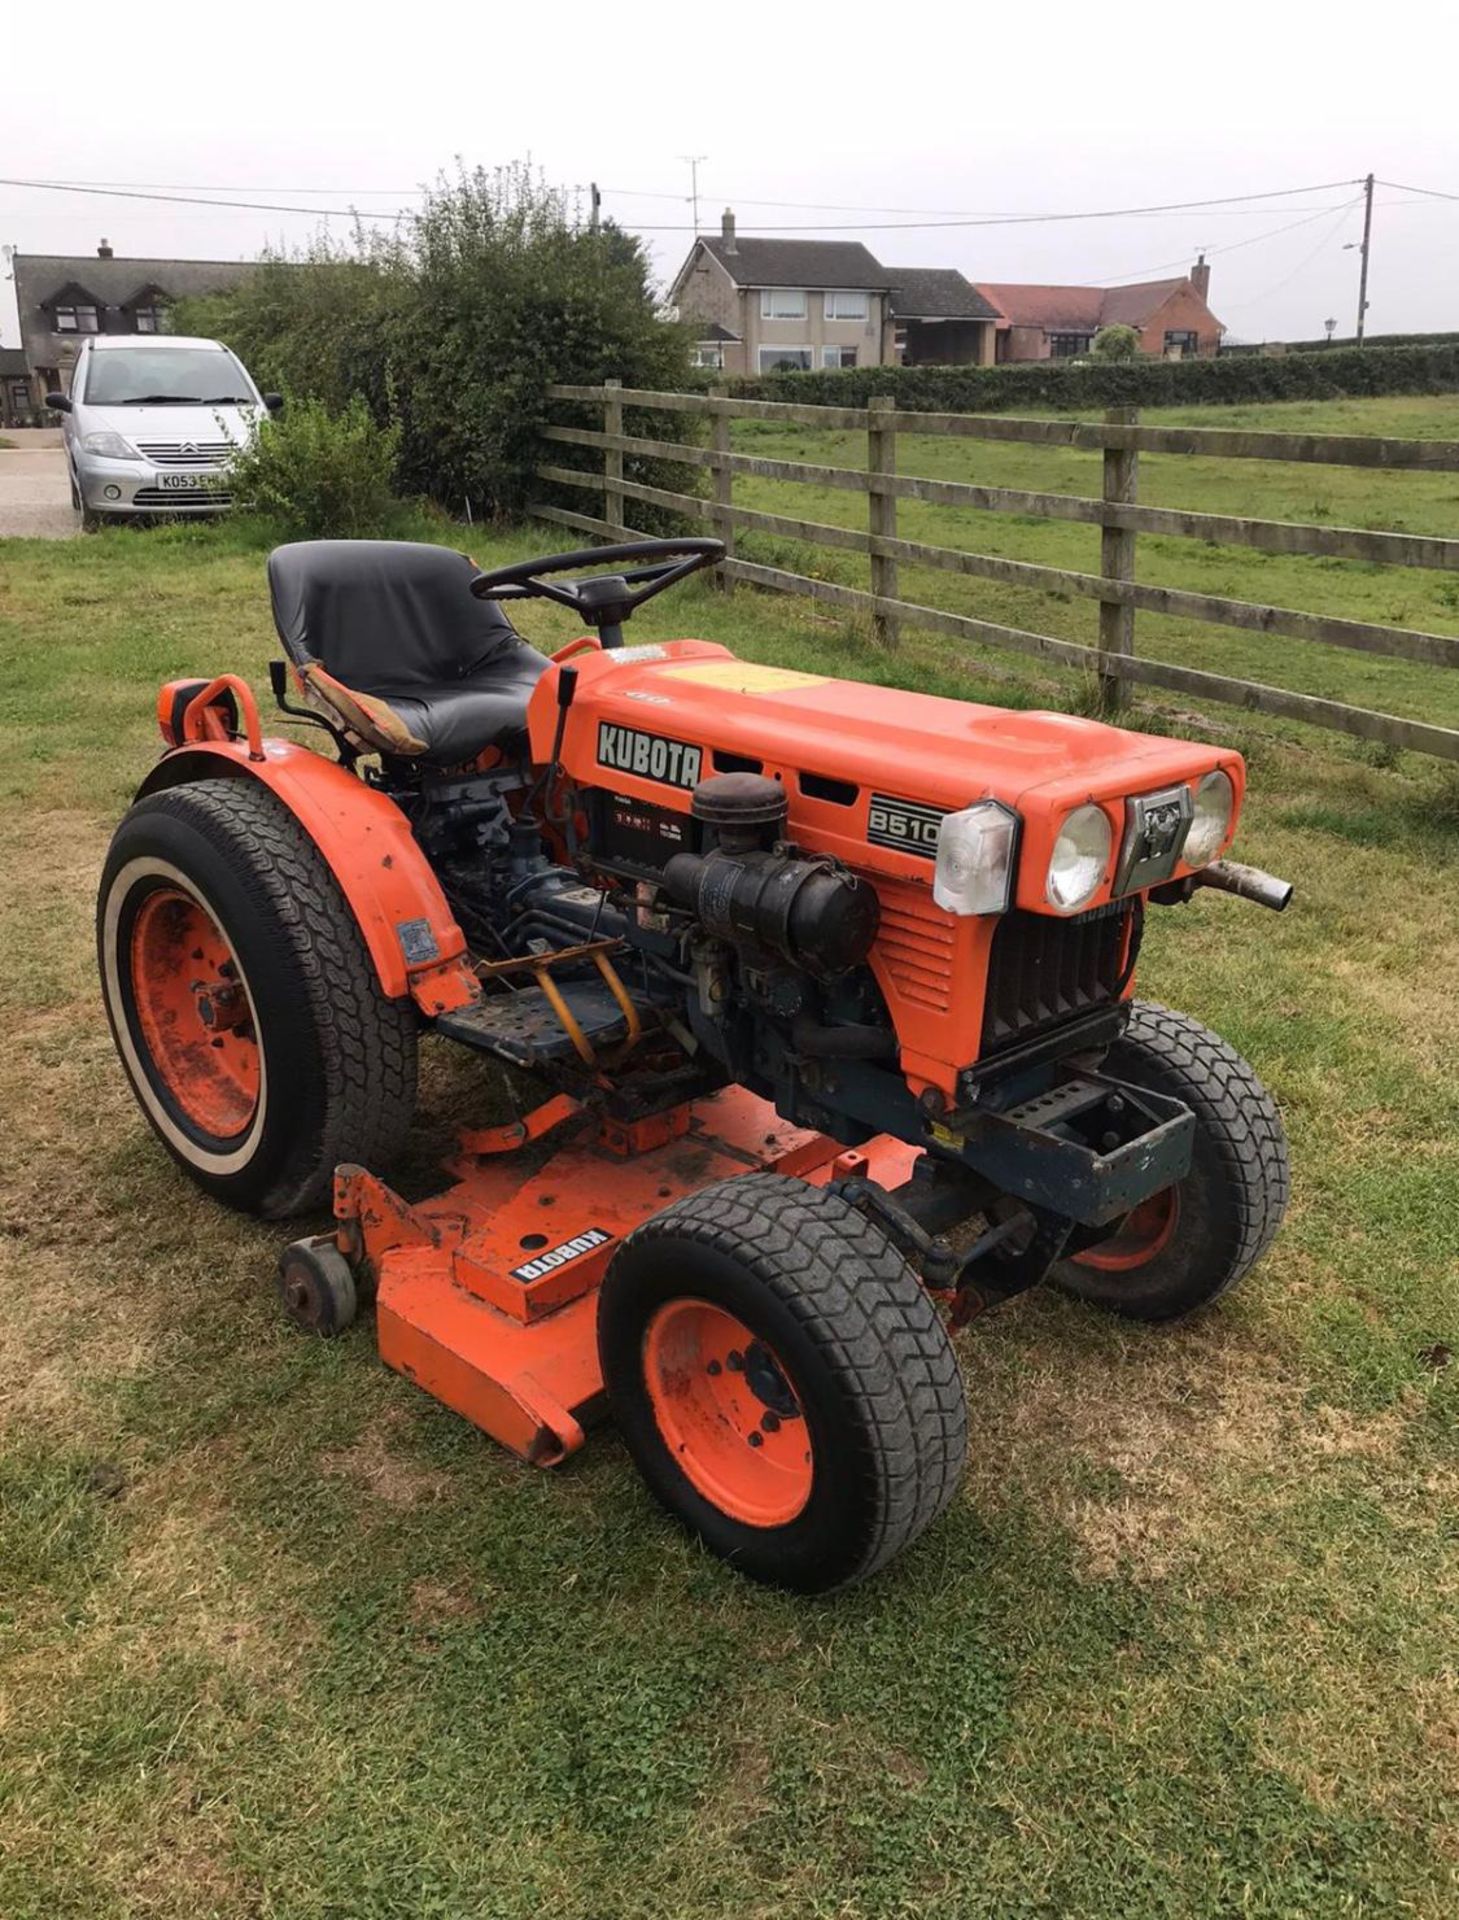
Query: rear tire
x,y
243,1002
782,1380
1192,1243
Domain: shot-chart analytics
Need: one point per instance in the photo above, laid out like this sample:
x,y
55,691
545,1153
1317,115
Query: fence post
x,y
881,458
1117,561
724,483
613,460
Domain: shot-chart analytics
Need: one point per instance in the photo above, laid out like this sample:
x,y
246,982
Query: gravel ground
x,y
35,497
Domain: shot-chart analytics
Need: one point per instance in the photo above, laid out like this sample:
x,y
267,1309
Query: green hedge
x,y
1148,383
1373,340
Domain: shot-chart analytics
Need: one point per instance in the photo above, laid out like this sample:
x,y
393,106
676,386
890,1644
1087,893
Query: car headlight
x,y
1215,803
1080,858
109,446
974,871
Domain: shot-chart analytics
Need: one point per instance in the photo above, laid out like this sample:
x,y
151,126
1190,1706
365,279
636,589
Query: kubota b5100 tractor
x,y
827,986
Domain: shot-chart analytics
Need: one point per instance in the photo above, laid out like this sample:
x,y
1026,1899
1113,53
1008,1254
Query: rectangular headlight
x,y
975,849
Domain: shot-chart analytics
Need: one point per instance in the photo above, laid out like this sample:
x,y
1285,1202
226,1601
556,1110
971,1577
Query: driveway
x,y
35,494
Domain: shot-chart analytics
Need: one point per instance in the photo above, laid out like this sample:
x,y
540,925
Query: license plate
x,y
187,482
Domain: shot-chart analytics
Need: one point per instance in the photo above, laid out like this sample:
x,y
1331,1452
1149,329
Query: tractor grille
x,y
916,942
1044,970
180,502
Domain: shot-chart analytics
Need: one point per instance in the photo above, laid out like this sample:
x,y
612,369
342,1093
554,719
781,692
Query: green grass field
x,y
279,1637
1260,489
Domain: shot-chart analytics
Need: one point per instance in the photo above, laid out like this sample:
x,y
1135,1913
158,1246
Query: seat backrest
x,y
381,614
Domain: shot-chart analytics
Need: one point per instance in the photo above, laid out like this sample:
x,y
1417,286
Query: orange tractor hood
x,y
919,747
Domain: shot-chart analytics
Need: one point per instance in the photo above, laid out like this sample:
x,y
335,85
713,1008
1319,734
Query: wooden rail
x,y
1117,513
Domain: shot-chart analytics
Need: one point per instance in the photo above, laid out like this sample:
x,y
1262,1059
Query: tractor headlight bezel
x,y
1210,827
977,851
1080,859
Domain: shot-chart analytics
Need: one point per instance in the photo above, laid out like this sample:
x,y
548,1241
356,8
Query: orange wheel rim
x,y
194,1014
728,1413
1144,1233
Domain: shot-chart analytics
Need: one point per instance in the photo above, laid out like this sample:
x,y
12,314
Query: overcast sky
x,y
941,110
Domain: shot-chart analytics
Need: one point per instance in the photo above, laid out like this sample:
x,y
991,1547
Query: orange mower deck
x,y
486,1294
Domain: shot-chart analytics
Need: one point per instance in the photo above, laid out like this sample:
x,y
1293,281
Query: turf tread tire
x,y
362,1043
1241,1145
889,1364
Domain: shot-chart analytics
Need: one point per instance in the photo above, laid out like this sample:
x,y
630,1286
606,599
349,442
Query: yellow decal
x,y
743,676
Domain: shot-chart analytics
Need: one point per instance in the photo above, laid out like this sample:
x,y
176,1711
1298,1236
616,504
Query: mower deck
x,y
486,1294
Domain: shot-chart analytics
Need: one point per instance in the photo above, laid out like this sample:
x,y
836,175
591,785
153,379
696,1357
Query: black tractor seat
x,y
389,641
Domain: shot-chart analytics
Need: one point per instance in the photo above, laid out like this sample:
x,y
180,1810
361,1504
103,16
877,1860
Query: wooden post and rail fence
x,y
1117,512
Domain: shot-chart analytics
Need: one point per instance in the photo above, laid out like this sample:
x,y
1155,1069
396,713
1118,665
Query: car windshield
x,y
167,376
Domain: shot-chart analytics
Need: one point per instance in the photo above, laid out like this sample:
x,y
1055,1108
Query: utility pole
x,y
1363,270
595,206
692,162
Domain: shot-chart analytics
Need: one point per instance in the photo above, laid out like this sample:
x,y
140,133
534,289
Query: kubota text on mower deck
x,y
827,987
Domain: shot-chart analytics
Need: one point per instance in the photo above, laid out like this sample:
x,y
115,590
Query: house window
x,y
838,356
782,303
1068,346
148,319
785,360
77,320
1182,344
846,306
708,353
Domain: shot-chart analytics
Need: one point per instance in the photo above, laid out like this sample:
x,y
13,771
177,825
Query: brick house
x,y
1058,323
64,297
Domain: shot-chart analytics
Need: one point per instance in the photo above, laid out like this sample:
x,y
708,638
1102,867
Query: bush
x,y
1116,343
453,332
319,475
1060,384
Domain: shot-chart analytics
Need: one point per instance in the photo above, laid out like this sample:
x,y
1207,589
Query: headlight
x,y
1215,801
974,872
1081,855
110,446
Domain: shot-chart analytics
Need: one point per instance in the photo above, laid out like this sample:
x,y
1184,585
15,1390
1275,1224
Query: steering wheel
x,y
605,600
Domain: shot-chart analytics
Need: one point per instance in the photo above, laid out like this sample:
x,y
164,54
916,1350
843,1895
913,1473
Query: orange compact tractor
x,y
827,988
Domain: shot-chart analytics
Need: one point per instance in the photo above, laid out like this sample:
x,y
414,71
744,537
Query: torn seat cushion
x,y
387,636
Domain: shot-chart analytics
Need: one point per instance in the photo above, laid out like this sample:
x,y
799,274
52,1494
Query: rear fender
x,y
416,945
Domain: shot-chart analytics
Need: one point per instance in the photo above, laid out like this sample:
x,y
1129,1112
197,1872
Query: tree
x,y
1116,343
453,330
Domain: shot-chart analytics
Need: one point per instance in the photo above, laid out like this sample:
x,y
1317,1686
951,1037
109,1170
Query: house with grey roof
x,y
64,297
941,320
767,304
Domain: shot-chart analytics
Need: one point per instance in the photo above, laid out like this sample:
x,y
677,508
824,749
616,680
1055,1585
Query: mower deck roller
x,y
829,989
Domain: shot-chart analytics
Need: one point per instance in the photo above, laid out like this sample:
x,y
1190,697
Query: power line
x,y
983,220
1429,193
1232,246
967,213
1240,306
196,200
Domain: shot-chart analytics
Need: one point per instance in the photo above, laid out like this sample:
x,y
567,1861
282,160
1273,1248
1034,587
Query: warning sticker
x,y
744,676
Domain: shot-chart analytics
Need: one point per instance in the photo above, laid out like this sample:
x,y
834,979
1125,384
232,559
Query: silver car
x,y
151,424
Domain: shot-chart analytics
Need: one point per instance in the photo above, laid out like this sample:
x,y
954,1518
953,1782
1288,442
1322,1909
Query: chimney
x,y
1200,277
727,230
103,252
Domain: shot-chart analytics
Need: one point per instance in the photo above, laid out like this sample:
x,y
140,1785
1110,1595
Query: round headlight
x,y
1081,855
1215,799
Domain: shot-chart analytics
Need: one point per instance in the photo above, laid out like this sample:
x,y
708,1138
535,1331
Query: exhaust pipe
x,y
1247,883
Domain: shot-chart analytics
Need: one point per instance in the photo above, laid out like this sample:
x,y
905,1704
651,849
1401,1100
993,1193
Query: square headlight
x,y
975,849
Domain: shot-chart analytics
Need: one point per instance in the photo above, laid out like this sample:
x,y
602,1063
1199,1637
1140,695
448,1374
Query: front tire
x,y
782,1380
1190,1244
243,1002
